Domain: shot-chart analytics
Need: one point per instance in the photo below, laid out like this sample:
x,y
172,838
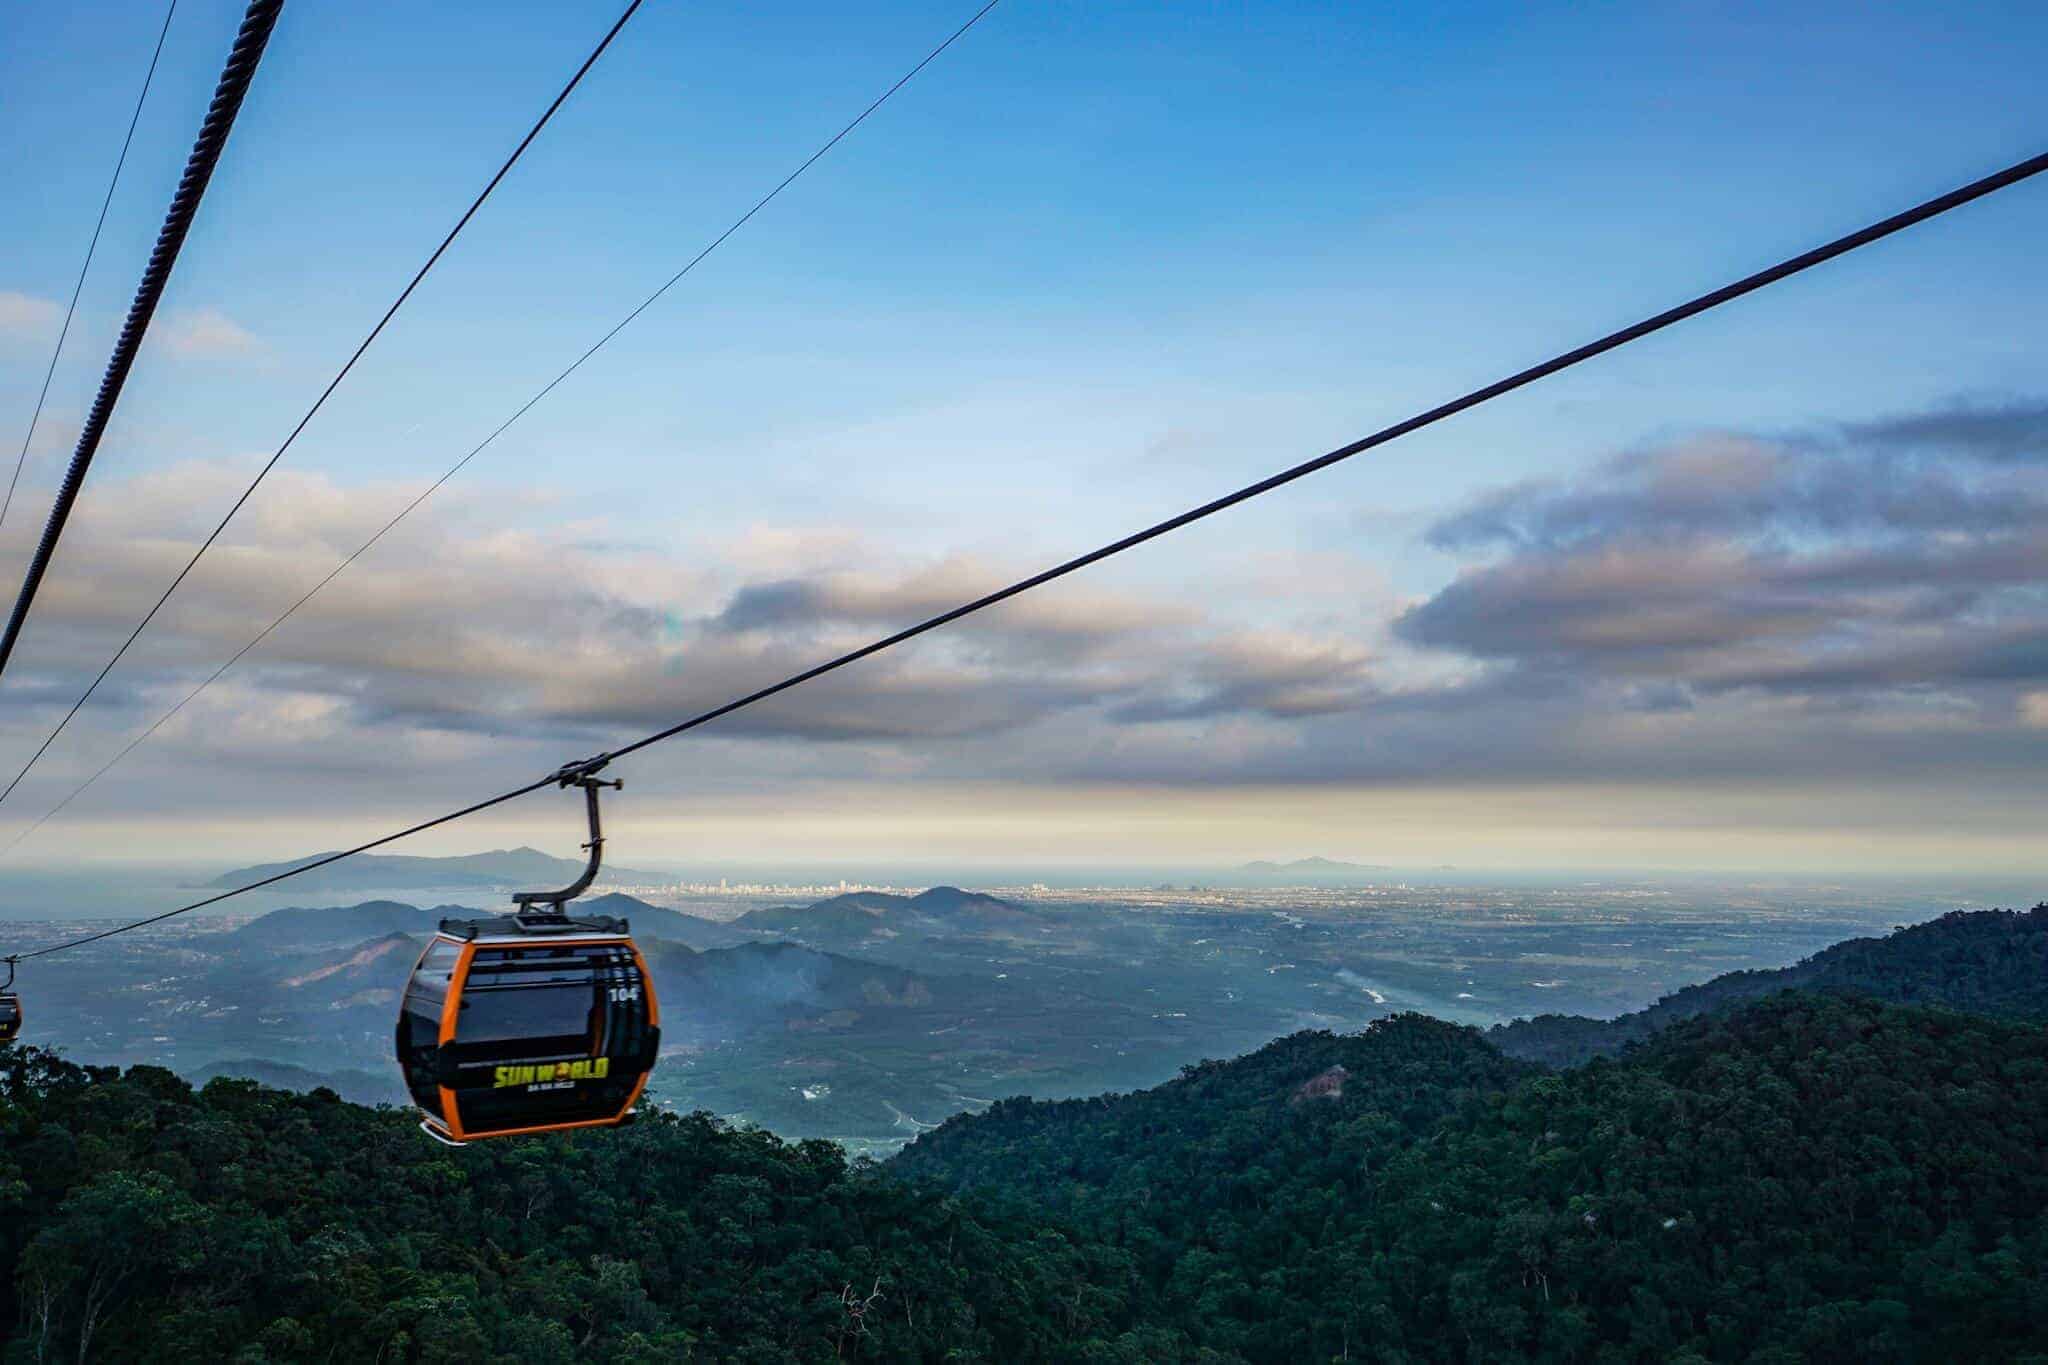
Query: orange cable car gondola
x,y
531,1022
10,1007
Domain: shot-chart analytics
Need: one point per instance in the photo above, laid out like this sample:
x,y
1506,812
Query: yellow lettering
x,y
590,1069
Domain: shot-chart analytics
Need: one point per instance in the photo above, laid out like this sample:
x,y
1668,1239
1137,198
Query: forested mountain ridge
x,y
1991,962
1810,1177
1332,1101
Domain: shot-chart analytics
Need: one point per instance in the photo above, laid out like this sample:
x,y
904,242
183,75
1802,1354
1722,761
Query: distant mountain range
x,y
507,868
866,917
820,1017
316,926
671,939
348,965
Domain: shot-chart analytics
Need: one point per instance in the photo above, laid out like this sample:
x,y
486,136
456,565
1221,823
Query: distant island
x,y
503,867
1308,871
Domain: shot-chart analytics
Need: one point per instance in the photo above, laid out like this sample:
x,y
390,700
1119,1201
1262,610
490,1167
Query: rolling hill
x,y
1992,962
864,917
1806,1177
296,928
1226,1122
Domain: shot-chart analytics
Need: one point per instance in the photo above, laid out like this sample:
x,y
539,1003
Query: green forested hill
x,y
1992,962
1257,1152
144,1220
1810,1178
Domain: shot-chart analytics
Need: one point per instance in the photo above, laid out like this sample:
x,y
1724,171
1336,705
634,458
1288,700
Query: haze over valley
x,y
869,1015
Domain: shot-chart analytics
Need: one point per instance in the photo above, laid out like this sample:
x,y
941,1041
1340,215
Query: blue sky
x,y
1098,262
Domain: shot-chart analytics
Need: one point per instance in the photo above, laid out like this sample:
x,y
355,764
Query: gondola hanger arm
x,y
580,774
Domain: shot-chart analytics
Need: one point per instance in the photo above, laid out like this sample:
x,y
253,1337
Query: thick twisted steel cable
x,y
21,608
206,149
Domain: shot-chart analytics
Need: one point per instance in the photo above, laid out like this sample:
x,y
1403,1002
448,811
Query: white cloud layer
x,y
1861,607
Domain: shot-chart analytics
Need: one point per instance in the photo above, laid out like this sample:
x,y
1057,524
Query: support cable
x,y
21,608
91,247
199,167
1806,260
502,427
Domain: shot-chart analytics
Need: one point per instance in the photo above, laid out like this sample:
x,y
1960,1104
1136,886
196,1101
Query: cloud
x,y
2013,431
1908,553
1732,608
1278,675
23,315
450,630
208,333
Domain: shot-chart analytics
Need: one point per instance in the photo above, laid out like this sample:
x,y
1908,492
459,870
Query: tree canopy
x,y
1813,1175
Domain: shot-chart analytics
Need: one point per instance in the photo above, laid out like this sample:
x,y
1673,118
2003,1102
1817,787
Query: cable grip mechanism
x,y
538,905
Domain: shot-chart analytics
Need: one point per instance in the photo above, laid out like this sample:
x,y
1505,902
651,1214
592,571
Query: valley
x,y
871,1016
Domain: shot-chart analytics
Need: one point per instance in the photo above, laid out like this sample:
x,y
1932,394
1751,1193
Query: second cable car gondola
x,y
534,1021
10,1008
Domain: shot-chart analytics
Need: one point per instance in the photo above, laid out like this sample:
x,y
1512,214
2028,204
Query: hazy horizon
x,y
106,889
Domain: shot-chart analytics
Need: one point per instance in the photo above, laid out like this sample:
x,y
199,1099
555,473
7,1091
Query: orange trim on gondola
x,y
457,979
612,1122
598,941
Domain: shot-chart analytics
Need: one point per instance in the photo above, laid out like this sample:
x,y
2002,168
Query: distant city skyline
x,y
1766,594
